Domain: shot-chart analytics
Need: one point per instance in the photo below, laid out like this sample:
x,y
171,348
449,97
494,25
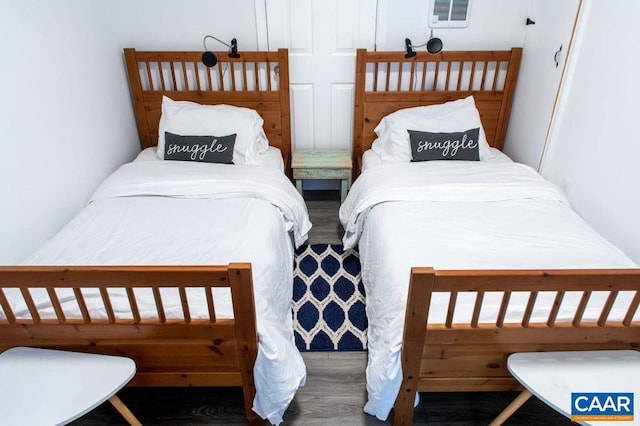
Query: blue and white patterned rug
x,y
328,299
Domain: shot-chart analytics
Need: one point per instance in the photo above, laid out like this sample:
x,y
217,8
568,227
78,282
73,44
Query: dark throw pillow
x,y
426,146
207,149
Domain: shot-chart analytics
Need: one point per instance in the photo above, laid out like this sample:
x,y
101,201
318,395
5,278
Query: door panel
x,y
322,37
539,78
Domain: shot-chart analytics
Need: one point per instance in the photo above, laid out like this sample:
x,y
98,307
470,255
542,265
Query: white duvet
x,y
458,215
181,213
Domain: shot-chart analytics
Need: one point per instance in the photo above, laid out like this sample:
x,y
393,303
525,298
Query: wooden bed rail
x,y
169,349
471,356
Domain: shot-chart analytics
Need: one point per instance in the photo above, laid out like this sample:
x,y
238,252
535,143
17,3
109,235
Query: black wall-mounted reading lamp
x,y
210,59
434,45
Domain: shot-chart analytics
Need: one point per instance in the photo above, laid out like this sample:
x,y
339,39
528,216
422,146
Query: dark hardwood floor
x,y
335,390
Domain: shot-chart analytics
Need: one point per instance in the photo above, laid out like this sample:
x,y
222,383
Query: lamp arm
x,y
204,41
420,45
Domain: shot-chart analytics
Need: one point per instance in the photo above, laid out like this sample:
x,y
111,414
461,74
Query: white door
x,y
546,42
322,37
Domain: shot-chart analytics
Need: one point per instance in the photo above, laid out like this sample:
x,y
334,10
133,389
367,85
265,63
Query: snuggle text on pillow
x,y
197,151
448,147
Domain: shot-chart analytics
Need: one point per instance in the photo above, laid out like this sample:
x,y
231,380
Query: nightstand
x,y
322,164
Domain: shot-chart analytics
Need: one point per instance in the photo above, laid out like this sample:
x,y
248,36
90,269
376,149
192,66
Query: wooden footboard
x,y
472,356
168,351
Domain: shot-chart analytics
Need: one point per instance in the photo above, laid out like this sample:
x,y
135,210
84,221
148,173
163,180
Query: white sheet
x,y
458,215
195,213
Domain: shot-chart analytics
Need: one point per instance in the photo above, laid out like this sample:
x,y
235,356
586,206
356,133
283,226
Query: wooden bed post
x,y
361,57
509,90
419,299
246,333
285,110
138,99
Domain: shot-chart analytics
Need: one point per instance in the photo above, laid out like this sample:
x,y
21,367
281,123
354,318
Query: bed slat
x,y
606,309
185,305
269,76
473,74
376,66
388,78
435,77
159,306
484,75
147,65
55,302
197,75
476,309
6,308
460,72
161,73
495,76
209,81
446,81
172,67
555,309
233,77
133,304
526,317
412,75
210,305
451,309
256,68
244,78
506,296
82,305
584,300
633,308
104,294
33,311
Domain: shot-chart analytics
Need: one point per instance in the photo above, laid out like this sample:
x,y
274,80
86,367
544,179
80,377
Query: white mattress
x,y
181,213
459,215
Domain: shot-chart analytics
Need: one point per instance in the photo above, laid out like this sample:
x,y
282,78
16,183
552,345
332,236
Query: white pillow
x,y
455,116
192,119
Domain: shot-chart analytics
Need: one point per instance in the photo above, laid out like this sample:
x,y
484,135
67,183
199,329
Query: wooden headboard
x,y
257,80
387,81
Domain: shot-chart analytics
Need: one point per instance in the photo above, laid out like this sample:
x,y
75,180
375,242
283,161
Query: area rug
x,y
328,299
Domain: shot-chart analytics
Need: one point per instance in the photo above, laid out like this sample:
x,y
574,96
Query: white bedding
x,y
458,215
174,212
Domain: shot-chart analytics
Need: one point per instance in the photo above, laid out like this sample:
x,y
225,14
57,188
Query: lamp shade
x,y
209,59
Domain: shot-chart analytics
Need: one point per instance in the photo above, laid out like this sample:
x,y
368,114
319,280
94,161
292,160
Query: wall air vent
x,y
449,13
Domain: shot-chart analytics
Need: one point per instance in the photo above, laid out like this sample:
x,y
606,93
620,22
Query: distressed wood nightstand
x,y
322,164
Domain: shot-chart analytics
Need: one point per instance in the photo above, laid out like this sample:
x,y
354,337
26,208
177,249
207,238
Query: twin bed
x,y
132,274
466,262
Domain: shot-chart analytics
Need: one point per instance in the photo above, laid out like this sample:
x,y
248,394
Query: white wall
x,y
494,24
66,115
593,149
